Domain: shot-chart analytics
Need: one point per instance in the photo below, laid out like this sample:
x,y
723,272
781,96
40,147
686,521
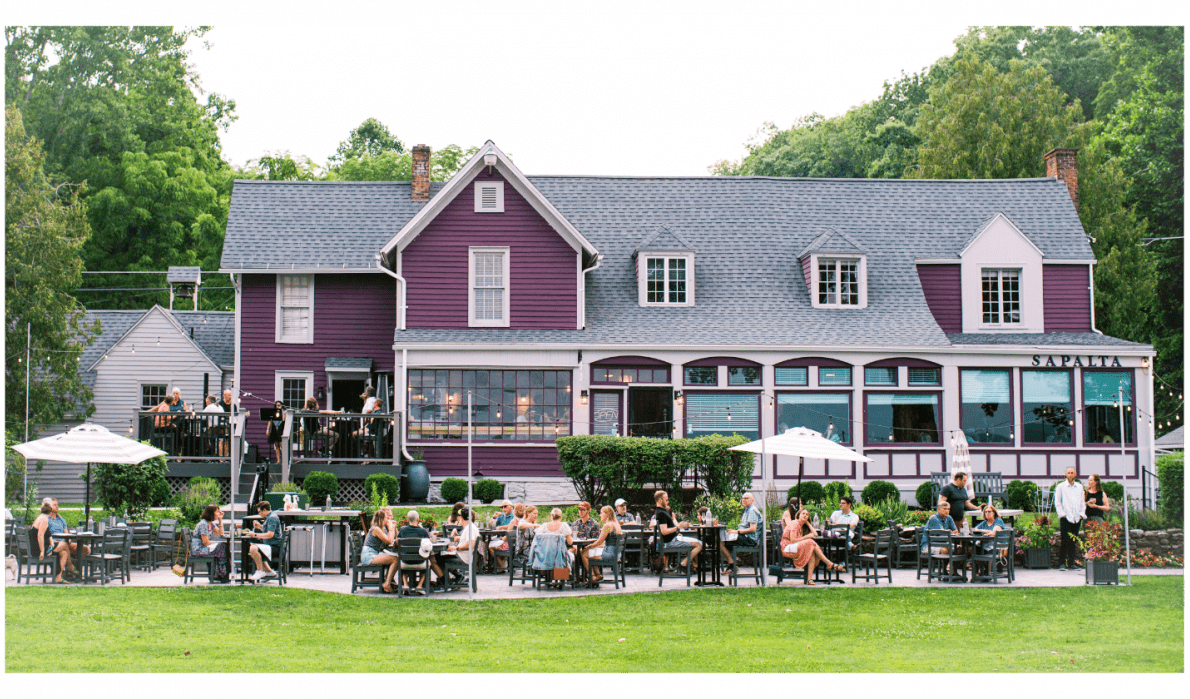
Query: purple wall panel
x,y
354,316
494,462
1067,298
544,268
942,285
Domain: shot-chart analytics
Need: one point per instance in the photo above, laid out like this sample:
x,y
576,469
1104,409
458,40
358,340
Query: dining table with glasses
x,y
834,546
579,574
81,538
709,535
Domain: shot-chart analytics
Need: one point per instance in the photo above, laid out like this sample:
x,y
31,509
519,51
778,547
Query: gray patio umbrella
x,y
87,444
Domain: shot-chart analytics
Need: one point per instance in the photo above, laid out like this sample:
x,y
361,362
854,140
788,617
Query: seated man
x,y
464,543
623,516
747,534
265,536
413,530
47,524
940,520
669,530
505,518
584,527
844,515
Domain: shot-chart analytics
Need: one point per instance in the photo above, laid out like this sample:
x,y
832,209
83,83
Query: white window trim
x,y
1020,286
279,379
472,321
642,276
479,186
309,340
861,273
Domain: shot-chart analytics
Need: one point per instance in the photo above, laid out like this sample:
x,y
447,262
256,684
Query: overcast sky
x,y
637,88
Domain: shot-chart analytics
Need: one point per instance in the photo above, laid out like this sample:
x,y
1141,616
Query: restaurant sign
x,y
1075,360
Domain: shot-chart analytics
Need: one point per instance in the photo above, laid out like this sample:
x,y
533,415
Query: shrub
x,y
1114,490
925,495
161,494
603,468
488,489
726,510
454,490
386,485
1170,472
811,491
130,489
319,485
871,517
199,493
836,491
877,491
1020,494
1040,533
286,487
893,510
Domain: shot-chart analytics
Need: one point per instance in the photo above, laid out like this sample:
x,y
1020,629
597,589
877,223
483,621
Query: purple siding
x,y
629,360
543,266
1067,298
354,316
942,285
494,462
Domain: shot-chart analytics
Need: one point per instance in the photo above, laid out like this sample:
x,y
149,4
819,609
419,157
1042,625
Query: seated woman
x,y
789,516
797,544
210,524
551,545
526,529
989,527
601,550
381,535
315,429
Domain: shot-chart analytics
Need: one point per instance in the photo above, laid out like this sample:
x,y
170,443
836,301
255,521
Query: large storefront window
x,y
902,417
987,405
528,405
1101,406
827,413
1046,407
722,413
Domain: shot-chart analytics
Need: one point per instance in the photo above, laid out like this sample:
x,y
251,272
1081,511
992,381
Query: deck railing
x,y
205,436
340,437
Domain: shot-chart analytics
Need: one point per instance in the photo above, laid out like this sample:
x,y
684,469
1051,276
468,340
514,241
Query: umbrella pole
x,y
87,502
764,517
801,466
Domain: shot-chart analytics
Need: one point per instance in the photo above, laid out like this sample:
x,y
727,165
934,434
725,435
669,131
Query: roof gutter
x,y
401,290
592,268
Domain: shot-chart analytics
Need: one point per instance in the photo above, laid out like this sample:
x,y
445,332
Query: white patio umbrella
x,y
87,444
803,443
960,462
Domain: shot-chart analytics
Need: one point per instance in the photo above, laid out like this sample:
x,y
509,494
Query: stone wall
x,y
560,492
1160,541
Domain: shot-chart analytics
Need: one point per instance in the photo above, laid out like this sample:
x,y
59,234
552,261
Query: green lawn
x,y
1137,629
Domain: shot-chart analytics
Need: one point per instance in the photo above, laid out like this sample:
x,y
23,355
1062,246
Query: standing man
x,y
844,515
1071,506
669,530
748,531
266,536
226,402
955,493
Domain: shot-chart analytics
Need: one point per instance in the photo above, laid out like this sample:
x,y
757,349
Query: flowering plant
x,y
1038,534
1102,541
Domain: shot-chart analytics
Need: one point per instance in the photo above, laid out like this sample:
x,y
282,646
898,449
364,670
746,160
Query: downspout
x,y
1091,286
592,268
401,309
401,290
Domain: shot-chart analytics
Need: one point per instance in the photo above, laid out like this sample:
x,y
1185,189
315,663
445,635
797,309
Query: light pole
x,y
1123,441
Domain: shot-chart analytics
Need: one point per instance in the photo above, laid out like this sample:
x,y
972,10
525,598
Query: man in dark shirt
x,y
669,529
955,493
413,530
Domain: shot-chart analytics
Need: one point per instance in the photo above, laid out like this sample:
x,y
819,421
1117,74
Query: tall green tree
x,y
984,124
369,138
118,109
45,228
395,166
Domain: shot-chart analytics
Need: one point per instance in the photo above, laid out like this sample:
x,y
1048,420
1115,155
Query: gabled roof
x,y
515,177
664,238
183,275
833,240
213,331
127,321
987,223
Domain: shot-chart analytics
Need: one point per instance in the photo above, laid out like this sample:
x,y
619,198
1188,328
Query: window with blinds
x,y
1101,406
722,413
295,305
488,287
489,197
834,376
791,376
1046,407
605,413
987,405
925,376
880,376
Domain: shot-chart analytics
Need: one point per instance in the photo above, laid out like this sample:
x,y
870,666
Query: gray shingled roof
x,y
1084,339
664,238
112,326
314,224
349,363
213,331
1175,438
835,241
183,275
748,232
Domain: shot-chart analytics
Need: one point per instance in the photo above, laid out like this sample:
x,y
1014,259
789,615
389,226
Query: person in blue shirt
x,y
267,534
989,526
942,520
746,534
504,519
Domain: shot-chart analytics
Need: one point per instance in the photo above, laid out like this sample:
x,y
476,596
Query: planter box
x,y
1103,572
1037,558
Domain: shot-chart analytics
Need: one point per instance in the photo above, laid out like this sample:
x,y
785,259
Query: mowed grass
x,y
269,629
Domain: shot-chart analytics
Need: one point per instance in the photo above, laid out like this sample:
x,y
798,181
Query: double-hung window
x,y
151,395
1001,289
838,282
295,308
293,387
667,280
487,287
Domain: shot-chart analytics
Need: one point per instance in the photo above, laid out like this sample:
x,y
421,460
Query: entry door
x,y
650,412
345,395
605,412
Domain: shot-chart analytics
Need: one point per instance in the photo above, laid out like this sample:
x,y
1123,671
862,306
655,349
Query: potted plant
x,y
1036,541
1101,552
276,495
416,485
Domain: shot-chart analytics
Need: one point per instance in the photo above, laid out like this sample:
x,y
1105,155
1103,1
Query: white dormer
x,y
836,271
664,269
1001,280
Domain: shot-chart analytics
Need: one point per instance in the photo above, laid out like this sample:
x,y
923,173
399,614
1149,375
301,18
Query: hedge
x,y
1019,495
1170,472
810,491
386,484
454,490
603,468
878,491
836,491
488,489
925,495
319,485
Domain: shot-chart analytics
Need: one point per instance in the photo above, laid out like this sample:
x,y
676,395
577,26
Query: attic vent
x,y
489,197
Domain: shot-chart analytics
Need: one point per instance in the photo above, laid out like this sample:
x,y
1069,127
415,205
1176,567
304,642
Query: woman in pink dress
x,y
797,543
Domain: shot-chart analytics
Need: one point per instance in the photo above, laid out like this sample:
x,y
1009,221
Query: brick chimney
x,y
421,172
1063,164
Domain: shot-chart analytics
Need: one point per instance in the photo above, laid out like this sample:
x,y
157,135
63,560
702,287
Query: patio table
x,y
709,536
831,547
337,518
579,571
82,539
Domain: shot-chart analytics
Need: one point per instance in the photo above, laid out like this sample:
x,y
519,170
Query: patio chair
x,y
613,557
663,550
163,540
752,551
455,564
636,548
141,547
409,560
208,562
882,554
903,546
515,542
938,540
27,558
998,566
112,555
279,560
360,573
